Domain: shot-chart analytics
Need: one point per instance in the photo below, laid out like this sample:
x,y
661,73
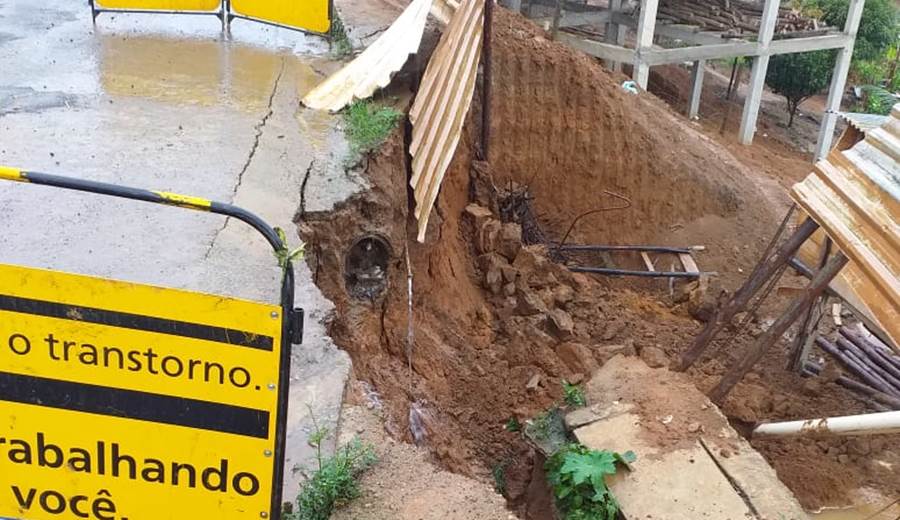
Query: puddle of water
x,y
199,72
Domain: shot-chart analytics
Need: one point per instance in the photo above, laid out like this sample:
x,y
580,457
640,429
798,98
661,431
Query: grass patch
x,y
367,125
335,481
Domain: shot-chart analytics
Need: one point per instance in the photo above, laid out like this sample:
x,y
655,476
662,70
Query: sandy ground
x,y
406,485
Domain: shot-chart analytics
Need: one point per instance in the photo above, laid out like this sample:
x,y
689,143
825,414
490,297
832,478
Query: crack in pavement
x,y
259,127
302,212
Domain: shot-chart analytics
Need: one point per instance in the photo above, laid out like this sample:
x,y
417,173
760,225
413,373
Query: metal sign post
x,y
131,402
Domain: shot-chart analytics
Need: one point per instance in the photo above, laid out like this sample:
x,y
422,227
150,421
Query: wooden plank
x,y
647,261
688,262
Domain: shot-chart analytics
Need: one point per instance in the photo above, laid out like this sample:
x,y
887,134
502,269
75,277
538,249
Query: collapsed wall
x,y
492,327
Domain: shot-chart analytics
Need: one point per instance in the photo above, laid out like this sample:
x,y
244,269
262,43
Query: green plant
x,y
499,474
878,28
799,76
335,480
340,42
539,427
878,100
577,475
513,425
367,125
573,395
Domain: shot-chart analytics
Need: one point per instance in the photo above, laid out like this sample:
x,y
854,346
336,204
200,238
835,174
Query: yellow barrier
x,y
309,15
160,5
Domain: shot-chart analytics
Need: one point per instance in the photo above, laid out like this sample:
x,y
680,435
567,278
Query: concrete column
x,y
615,33
838,81
696,88
645,30
513,5
758,72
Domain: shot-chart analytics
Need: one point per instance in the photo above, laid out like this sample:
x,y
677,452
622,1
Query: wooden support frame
x,y
763,272
795,310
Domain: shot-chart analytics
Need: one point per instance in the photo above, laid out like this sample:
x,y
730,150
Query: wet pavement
x,y
170,103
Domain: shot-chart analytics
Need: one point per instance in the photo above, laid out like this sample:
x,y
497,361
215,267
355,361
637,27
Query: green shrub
x,y
799,76
573,395
367,125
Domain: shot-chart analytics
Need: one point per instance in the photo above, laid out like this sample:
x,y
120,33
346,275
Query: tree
x,y
878,29
799,76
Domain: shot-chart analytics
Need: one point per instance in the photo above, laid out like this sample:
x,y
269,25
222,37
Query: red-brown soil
x,y
489,317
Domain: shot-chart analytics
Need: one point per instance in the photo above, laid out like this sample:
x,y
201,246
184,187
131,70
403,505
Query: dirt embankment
x,y
494,326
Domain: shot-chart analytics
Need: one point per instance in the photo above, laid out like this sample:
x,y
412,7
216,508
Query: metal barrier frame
x,y
291,317
224,14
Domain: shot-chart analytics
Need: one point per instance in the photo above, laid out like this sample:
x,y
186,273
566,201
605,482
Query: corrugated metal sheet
x,y
373,69
864,122
442,103
855,196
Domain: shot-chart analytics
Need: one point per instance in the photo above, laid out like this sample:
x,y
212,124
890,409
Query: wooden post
x,y
764,270
804,341
815,288
487,79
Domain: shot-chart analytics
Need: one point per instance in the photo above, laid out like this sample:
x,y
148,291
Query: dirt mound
x,y
457,336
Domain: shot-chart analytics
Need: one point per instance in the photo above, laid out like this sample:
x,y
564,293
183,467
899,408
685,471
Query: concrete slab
x,y
165,102
691,463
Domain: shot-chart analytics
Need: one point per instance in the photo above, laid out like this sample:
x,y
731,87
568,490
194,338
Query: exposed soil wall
x,y
495,326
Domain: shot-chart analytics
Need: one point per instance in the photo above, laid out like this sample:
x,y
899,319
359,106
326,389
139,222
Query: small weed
x,y
578,477
539,427
367,125
335,480
340,42
573,395
513,425
499,473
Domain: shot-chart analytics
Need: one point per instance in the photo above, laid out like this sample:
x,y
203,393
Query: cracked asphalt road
x,y
167,103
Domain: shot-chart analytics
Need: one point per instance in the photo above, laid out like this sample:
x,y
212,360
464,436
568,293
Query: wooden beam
x,y
764,270
781,325
647,261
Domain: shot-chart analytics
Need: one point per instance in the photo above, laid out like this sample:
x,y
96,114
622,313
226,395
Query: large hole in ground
x,y
497,326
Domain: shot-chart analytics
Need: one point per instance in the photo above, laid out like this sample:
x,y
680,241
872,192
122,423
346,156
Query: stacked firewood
x,y
731,16
871,364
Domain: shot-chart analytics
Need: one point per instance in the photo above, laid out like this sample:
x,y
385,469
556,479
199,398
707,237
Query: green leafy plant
x,y
878,100
513,425
499,474
799,76
335,481
367,125
577,476
878,28
573,395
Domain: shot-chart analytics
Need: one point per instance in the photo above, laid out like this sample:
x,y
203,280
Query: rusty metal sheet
x,y
854,195
442,103
373,69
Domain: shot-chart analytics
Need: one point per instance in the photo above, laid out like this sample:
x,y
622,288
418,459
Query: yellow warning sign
x,y
161,5
310,15
130,402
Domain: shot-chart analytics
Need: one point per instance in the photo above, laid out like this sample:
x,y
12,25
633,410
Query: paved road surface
x,y
166,103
